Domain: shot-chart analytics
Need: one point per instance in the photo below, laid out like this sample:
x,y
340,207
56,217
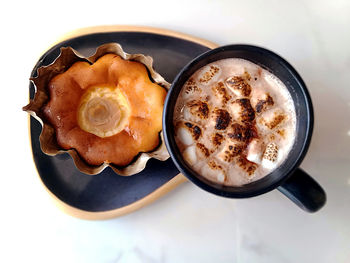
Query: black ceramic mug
x,y
287,178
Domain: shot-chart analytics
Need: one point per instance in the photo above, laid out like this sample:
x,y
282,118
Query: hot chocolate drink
x,y
234,122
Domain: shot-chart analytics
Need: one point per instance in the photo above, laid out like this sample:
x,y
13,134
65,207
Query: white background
x,y
188,224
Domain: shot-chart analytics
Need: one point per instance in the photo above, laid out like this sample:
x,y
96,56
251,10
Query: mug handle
x,y
304,191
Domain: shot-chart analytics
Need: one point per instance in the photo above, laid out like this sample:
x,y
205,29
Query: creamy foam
x,y
234,122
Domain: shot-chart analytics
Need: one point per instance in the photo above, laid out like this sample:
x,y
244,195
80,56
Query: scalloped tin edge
x,y
67,57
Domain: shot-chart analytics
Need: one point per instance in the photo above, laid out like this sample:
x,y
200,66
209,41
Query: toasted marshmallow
x,y
220,118
185,136
191,89
254,151
216,140
272,118
246,165
229,151
270,157
202,150
261,101
215,170
188,133
221,93
238,85
209,74
196,111
241,133
190,155
242,111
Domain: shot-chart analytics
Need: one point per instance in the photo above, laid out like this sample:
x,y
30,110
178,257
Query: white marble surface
x,y
187,225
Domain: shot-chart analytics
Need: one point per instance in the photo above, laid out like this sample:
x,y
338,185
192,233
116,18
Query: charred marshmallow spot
x,y
191,88
202,150
209,73
272,119
264,103
196,110
217,139
242,133
242,110
221,93
246,165
270,156
230,151
239,86
188,133
216,170
222,119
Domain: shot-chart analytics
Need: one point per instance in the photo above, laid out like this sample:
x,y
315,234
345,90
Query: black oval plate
x,y
107,190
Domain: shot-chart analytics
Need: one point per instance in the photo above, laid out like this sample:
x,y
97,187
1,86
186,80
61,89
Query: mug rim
x,y
222,190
